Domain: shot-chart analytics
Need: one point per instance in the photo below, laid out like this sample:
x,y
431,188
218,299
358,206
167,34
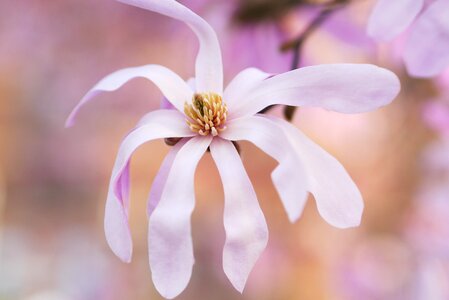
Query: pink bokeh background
x,y
53,181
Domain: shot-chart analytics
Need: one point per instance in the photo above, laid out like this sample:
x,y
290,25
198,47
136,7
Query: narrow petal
x,y
161,177
337,197
242,84
427,49
116,225
244,222
170,84
209,68
346,88
289,177
164,124
169,233
392,17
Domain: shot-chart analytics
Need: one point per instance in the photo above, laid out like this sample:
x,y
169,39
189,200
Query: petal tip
x,y
350,221
169,290
126,259
239,285
123,253
69,123
293,218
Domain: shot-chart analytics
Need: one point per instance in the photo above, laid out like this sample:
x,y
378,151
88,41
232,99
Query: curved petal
x,y
170,84
161,177
209,67
169,233
337,197
164,124
391,17
239,87
244,222
346,88
160,117
289,177
427,49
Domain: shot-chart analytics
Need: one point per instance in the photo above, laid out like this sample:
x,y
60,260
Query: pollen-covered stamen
x,y
206,114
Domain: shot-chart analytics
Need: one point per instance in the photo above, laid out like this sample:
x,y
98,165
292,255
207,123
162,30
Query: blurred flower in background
x,y
425,51
51,238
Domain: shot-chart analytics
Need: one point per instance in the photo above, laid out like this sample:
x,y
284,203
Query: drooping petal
x,y
165,123
244,222
209,68
169,233
171,85
158,184
346,88
289,177
427,49
116,225
392,17
337,197
239,87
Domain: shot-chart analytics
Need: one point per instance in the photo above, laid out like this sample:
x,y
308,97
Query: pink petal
x,y
209,68
338,199
242,84
427,49
244,222
169,237
171,85
392,17
165,104
346,88
165,123
289,177
159,181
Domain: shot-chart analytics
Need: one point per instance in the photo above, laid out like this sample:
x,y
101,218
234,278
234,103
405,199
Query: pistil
x,y
206,114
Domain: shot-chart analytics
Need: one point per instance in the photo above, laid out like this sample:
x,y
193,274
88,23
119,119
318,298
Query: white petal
x,y
289,177
244,222
171,85
209,68
338,199
391,17
169,233
427,49
242,84
158,184
168,123
347,88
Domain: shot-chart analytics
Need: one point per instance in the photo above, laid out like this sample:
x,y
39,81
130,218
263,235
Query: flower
x,y
213,119
426,52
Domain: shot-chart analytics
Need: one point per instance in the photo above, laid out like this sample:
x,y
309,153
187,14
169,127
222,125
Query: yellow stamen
x,y
206,114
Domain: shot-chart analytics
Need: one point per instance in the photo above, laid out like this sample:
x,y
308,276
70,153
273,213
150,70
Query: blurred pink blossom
x,y
426,52
390,268
436,115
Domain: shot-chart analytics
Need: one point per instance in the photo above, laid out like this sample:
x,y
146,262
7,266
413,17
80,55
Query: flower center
x,y
206,114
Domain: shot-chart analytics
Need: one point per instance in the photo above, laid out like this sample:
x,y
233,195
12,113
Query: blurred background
x,y
54,181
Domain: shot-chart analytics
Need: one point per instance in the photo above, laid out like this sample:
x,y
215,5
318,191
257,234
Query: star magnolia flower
x,y
210,117
426,52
